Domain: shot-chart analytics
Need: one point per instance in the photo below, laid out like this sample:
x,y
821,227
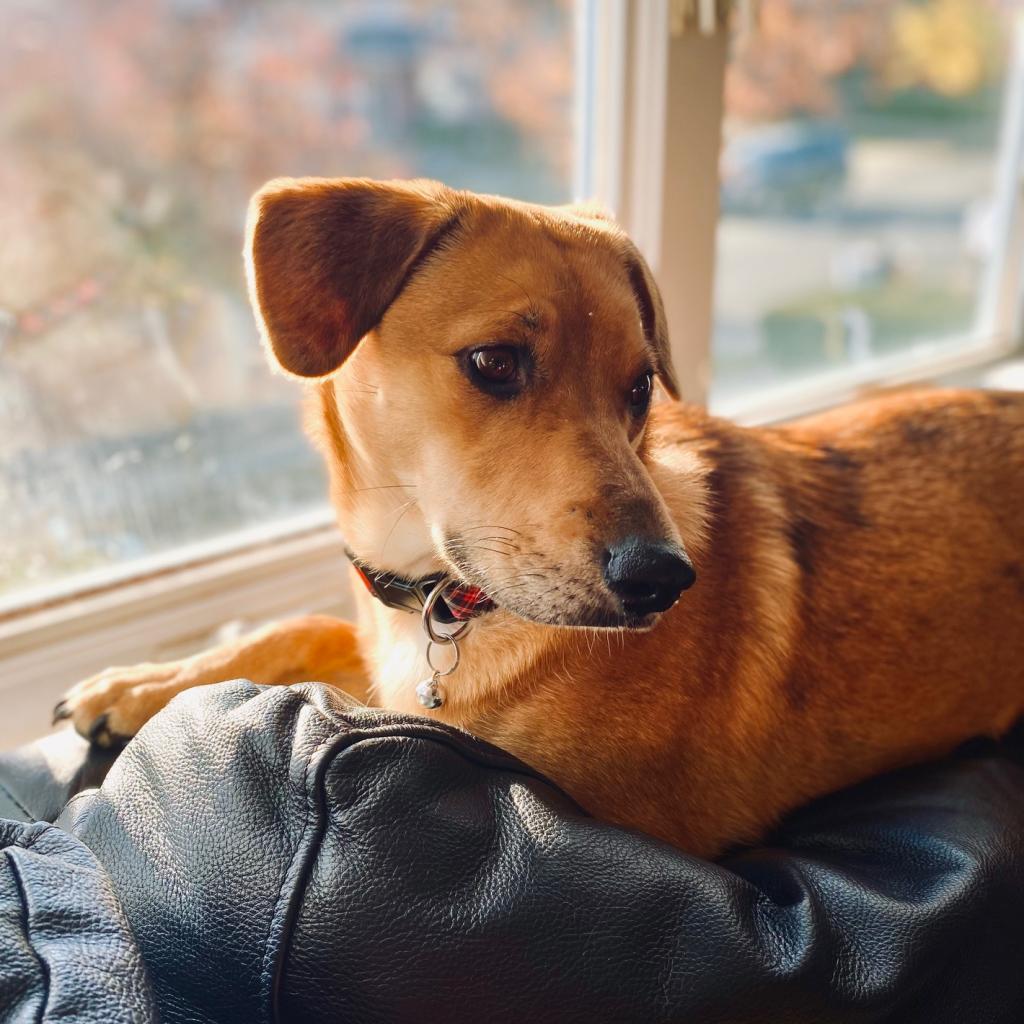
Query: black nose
x,y
647,575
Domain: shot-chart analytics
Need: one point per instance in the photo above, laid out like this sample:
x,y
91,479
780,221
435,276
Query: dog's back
x,y
903,521
907,525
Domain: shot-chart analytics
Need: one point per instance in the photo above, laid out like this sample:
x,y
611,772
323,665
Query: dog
x,y
690,626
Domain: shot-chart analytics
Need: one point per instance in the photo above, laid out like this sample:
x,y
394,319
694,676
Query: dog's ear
x,y
652,317
325,257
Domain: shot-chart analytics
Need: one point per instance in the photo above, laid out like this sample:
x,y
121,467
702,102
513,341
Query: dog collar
x,y
458,603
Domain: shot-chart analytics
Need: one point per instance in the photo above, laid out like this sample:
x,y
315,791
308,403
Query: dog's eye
x,y
497,369
640,396
499,365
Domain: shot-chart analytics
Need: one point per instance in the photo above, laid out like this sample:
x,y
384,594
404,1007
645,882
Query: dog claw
x,y
99,734
61,712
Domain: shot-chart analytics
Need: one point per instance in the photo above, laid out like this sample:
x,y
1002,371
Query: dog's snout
x,y
647,576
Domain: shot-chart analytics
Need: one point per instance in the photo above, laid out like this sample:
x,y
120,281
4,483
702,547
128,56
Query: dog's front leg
x,y
114,704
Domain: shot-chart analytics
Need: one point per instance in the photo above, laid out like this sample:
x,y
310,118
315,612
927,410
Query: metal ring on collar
x,y
428,623
445,671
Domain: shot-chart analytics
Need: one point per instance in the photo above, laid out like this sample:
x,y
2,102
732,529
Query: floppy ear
x,y
325,257
652,317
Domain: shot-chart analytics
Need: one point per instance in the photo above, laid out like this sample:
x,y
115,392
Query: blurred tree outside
x,y
797,60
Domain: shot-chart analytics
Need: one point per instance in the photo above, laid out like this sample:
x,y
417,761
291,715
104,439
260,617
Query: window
x,y
137,415
865,204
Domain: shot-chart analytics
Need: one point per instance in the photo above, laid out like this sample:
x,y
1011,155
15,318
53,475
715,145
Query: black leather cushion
x,y
66,952
283,855
38,779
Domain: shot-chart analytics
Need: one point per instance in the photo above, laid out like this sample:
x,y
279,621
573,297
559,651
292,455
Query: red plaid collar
x,y
465,601
459,602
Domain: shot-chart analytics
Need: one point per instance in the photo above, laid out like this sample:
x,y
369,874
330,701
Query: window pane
x,y
136,411
858,214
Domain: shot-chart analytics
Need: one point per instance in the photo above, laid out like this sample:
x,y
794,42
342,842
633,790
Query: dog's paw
x,y
109,708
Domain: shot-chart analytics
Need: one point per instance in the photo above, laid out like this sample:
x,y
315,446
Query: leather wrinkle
x,y
294,878
14,800
78,960
459,743
44,969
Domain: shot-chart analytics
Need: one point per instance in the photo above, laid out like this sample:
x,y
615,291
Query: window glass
x,y
136,410
858,170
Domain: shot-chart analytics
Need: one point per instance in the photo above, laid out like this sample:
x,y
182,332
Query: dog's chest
x,y
398,658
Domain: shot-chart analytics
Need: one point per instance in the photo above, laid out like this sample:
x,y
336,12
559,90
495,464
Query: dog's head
x,y
486,368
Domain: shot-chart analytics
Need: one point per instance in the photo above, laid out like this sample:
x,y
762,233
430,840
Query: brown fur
x,y
860,575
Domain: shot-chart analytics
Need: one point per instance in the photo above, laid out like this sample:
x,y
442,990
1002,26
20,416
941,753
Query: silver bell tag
x,y
430,692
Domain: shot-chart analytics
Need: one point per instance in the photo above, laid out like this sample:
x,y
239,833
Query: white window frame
x,y
649,119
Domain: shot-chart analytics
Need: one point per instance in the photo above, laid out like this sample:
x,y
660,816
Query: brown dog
x,y
480,373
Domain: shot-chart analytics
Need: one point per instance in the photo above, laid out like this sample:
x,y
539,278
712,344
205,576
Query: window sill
x,y
930,365
166,614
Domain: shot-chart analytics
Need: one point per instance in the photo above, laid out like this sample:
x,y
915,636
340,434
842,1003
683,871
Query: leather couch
x,y
281,854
